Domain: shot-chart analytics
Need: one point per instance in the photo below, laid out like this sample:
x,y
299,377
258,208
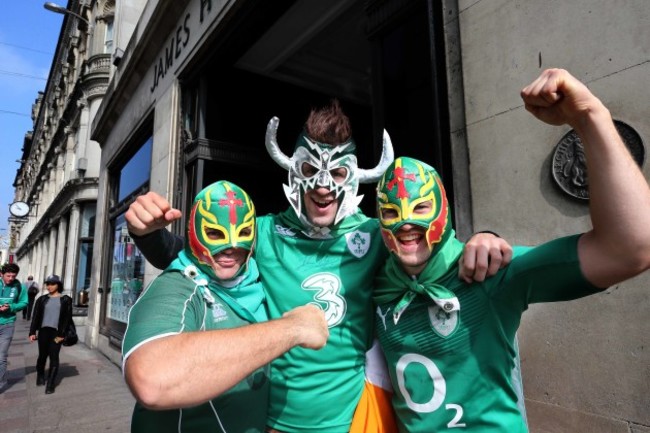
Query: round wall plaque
x,y
569,169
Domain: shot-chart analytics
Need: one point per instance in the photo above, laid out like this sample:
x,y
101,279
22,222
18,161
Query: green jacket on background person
x,y
13,295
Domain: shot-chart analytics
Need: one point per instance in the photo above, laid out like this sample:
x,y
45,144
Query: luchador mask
x,y
407,183
324,159
222,217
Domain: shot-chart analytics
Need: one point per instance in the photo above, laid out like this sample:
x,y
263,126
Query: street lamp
x,y
53,7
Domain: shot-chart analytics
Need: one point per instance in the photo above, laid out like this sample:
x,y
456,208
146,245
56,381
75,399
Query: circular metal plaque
x,y
569,169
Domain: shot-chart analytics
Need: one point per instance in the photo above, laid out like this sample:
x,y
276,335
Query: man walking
x,y
31,287
12,300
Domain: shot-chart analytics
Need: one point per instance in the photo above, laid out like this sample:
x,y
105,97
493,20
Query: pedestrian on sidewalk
x,y
52,315
31,287
12,300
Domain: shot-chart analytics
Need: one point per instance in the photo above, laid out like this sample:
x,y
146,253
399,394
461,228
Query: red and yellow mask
x,y
222,217
407,183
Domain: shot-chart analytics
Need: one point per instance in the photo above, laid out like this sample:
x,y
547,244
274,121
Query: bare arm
x,y
191,368
618,246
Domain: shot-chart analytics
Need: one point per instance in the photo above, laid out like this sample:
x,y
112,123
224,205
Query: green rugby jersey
x,y
318,391
453,371
173,304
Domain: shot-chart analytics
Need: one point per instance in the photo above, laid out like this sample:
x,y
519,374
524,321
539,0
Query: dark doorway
x,y
379,60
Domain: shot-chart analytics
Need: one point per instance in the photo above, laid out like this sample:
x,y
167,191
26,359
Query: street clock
x,y
19,209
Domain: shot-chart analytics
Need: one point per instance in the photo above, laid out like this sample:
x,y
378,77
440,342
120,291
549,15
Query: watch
x,y
19,209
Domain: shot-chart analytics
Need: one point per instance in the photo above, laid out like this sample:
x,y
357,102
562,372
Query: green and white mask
x,y
324,158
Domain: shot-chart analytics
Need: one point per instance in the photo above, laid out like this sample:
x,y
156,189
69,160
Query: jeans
x,y
6,335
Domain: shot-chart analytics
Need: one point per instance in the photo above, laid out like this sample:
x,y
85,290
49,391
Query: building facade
x,y
59,173
191,85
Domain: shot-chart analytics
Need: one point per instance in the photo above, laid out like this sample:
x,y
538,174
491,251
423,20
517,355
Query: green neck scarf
x,y
244,293
392,282
288,218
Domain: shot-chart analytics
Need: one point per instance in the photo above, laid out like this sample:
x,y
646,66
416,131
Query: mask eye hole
x,y
388,213
214,234
339,175
308,170
423,208
245,232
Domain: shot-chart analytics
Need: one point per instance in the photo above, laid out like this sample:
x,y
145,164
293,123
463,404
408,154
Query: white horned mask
x,y
323,159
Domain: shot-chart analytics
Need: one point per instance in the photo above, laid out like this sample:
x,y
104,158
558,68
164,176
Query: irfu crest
x,y
358,243
442,322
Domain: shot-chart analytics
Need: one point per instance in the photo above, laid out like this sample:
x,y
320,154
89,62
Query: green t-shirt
x,y
453,371
173,304
318,391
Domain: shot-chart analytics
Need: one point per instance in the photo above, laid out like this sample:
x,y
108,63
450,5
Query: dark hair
x,y
11,268
329,124
59,285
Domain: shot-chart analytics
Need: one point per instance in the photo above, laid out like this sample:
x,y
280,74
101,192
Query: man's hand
x,y
484,255
556,97
310,326
150,212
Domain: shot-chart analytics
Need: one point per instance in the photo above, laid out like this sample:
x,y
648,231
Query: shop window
x,y
84,264
126,273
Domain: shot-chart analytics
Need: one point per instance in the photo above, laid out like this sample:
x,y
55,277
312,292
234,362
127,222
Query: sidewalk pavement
x,y
90,397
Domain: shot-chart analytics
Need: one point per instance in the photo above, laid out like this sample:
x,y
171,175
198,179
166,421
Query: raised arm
x,y
191,368
618,246
146,220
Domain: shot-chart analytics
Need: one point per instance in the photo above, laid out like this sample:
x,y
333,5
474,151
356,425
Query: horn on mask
x,y
387,157
365,176
272,144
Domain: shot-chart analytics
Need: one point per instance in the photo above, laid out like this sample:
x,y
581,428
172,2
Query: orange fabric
x,y
374,414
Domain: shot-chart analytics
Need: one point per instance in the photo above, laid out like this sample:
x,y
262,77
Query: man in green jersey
x,y
201,321
321,251
449,346
12,300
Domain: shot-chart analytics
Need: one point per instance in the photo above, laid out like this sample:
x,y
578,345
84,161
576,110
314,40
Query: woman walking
x,y
50,319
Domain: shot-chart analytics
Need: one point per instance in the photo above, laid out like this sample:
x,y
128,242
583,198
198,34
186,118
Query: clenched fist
x,y
309,325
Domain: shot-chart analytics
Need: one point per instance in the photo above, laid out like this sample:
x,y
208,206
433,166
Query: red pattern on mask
x,y
437,226
199,250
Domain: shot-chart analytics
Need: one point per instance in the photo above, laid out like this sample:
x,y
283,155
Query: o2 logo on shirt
x,y
438,383
327,297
